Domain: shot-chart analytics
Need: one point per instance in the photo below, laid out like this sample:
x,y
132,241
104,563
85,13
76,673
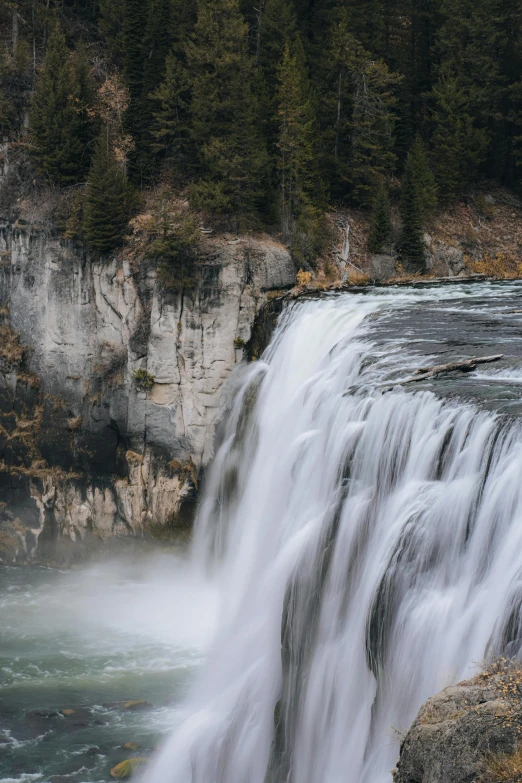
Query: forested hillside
x,y
263,112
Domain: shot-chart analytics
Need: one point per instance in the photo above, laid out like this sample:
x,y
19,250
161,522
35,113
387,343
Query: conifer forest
x,y
263,112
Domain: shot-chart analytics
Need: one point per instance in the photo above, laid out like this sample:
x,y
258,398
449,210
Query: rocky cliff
x,y
110,389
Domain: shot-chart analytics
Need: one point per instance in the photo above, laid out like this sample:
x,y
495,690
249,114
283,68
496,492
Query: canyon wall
x,y
110,388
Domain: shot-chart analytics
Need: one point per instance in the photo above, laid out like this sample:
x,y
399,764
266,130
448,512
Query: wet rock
x,y
127,768
47,714
137,704
131,746
130,704
94,751
455,732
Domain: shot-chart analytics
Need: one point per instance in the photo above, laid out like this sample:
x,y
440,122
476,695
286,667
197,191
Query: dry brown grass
x,y
74,424
133,458
505,674
10,349
303,278
356,277
186,470
503,767
503,265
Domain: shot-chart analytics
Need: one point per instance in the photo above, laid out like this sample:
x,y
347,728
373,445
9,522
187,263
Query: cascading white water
x,y
367,541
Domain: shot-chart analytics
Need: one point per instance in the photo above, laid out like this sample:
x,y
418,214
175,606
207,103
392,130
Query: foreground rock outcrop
x,y
466,732
110,388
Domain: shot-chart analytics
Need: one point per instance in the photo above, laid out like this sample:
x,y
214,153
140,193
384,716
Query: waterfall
x,y
367,543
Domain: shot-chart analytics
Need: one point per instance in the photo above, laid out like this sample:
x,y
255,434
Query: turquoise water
x,y
90,641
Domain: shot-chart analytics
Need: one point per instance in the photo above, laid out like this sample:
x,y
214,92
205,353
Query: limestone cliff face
x,y
85,454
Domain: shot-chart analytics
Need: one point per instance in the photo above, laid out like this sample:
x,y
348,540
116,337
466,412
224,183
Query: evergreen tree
x,y
134,26
184,17
157,44
357,115
479,44
412,245
458,145
231,154
6,107
372,124
380,231
106,208
171,130
83,100
424,178
110,25
174,245
299,183
277,27
57,121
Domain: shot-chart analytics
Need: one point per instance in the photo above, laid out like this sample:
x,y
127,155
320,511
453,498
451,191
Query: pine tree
x,y
380,232
110,25
278,27
412,246
106,208
171,130
174,245
299,183
158,42
357,103
57,120
458,145
372,125
424,178
6,108
83,100
134,26
231,154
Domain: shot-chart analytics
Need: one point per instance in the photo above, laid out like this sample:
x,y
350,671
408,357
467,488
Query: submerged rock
x,y
137,704
460,732
131,746
126,768
129,704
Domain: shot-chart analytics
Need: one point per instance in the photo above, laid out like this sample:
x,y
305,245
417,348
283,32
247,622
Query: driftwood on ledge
x,y
438,369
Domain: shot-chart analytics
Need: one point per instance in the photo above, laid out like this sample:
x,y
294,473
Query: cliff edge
x,y
111,386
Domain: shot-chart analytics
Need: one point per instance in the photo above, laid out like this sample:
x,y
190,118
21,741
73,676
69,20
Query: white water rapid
x,y
367,543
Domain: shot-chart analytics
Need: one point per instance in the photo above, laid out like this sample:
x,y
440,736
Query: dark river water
x,y
76,647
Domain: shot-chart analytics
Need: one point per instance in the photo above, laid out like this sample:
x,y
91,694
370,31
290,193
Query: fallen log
x,y
464,366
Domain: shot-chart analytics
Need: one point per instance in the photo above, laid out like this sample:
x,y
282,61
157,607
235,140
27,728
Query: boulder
x,y
448,256
382,266
131,746
457,731
127,768
137,704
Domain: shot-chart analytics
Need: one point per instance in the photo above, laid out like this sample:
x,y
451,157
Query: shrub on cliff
x,y
174,245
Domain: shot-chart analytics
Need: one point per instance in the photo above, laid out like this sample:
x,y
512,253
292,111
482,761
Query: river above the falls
x,y
156,629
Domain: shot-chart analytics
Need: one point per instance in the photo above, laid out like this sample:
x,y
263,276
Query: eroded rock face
x,y
85,455
454,733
